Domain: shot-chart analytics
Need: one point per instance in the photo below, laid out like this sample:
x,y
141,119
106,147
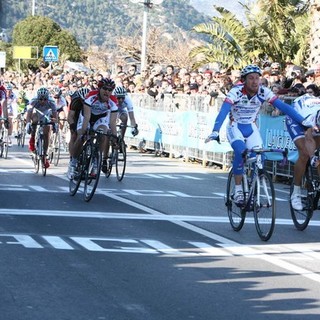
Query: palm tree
x,y
276,30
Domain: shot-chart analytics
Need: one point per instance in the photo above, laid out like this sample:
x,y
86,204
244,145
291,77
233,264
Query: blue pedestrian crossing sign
x,y
50,53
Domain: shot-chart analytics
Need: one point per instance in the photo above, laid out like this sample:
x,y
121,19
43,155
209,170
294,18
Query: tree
x,y
276,30
41,31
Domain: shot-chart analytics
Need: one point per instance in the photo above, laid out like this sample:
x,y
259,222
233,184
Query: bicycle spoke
x,y
264,206
236,214
302,217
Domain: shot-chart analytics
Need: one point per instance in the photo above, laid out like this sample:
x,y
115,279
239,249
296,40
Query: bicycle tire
x,y
236,214
91,182
110,163
75,182
43,165
5,144
264,205
56,157
302,217
36,163
121,160
19,135
23,138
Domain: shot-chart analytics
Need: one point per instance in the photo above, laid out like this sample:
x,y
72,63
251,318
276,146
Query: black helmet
x,y
108,83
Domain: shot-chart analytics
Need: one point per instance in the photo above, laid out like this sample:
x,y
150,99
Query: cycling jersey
x,y
3,97
99,108
12,104
61,102
126,105
305,105
42,109
243,109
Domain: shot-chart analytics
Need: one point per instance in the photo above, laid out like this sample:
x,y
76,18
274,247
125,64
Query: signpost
x,y
50,53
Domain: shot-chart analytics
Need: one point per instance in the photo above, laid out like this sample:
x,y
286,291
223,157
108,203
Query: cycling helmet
x,y
251,68
83,92
120,92
105,82
57,92
43,93
9,86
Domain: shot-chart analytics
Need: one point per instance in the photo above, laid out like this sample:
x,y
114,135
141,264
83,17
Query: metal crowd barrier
x,y
202,109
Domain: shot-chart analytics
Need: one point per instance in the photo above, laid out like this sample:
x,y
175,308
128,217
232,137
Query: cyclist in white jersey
x,y
62,106
306,142
100,111
242,104
125,108
12,109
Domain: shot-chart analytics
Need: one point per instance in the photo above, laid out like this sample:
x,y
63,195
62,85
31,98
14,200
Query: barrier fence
x,y
178,125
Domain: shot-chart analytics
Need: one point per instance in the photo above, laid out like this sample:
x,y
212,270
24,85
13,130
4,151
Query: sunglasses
x,y
311,92
107,88
43,99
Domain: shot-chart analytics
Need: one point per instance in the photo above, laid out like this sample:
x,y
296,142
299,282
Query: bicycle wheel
x,y
111,160
264,206
74,183
236,214
92,174
302,217
54,149
36,162
121,160
43,165
5,143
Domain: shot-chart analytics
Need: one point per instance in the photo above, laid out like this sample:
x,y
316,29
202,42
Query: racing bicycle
x,y
259,194
4,139
310,194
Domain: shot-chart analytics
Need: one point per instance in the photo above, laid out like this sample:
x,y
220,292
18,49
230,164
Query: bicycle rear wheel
x,y
302,217
54,148
5,143
92,174
36,163
236,214
121,160
264,206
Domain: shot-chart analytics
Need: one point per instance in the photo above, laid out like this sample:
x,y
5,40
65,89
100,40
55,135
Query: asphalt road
x,y
157,245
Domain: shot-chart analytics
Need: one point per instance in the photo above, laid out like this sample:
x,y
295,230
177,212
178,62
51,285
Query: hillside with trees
x,y
101,23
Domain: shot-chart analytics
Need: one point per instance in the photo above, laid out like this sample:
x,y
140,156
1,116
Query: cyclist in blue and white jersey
x,y
41,108
306,142
242,104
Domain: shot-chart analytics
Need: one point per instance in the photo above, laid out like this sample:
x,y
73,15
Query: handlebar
x,y
263,150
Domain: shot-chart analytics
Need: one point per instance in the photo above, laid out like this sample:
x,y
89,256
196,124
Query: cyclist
x,y
75,143
125,107
243,103
22,103
11,109
306,142
40,109
61,104
100,111
3,105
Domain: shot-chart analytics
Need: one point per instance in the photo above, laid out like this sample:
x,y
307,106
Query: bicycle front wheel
x,y
236,214
121,161
264,206
302,217
92,174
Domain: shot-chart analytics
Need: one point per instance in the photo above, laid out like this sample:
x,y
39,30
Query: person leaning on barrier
x,y
242,104
306,142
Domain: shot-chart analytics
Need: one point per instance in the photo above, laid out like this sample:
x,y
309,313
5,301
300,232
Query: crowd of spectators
x,y
158,80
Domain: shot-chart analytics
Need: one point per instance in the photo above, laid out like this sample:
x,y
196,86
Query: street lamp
x,y
148,4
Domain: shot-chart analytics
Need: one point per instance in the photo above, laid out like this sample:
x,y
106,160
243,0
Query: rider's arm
x,y
287,109
225,109
86,112
129,104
